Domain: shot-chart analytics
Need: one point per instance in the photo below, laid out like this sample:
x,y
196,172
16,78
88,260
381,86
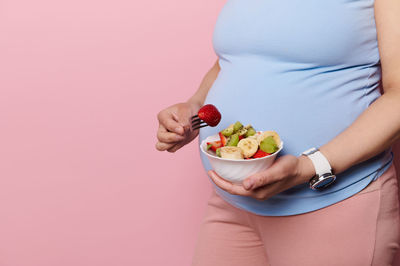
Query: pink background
x,y
81,82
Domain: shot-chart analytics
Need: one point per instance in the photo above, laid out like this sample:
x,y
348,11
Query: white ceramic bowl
x,y
236,170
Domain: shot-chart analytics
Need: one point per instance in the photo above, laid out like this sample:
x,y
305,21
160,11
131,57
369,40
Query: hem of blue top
x,y
310,204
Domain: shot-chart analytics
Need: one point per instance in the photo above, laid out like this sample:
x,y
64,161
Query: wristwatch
x,y
324,176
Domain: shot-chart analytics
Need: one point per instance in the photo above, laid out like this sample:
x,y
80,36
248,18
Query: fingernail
x,y
179,130
185,126
248,184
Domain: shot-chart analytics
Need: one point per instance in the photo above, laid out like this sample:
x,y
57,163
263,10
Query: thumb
x,y
260,179
279,170
183,121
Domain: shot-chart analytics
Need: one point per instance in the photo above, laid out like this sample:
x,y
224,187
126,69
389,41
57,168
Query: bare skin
x,y
376,129
174,121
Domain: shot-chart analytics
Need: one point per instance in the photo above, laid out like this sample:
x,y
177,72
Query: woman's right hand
x,y
174,129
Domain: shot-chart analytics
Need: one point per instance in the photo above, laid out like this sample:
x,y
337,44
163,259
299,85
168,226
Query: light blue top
x,y
306,69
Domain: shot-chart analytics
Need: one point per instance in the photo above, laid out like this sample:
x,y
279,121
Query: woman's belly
x,y
306,107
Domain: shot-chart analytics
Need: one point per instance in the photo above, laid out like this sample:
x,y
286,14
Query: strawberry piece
x,y
260,153
214,145
209,114
223,139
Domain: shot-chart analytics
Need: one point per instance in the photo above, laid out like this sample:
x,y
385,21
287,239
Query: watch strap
x,y
321,164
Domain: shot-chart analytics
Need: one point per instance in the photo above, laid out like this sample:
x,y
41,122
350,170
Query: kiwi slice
x,y
237,126
242,131
227,131
233,140
268,145
218,152
250,132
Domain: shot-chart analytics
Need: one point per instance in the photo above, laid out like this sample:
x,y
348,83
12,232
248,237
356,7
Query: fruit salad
x,y
244,142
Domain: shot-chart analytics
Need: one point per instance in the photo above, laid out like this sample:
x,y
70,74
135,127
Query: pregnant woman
x,y
312,71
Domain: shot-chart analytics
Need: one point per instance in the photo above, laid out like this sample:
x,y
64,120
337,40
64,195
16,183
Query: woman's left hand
x,y
287,171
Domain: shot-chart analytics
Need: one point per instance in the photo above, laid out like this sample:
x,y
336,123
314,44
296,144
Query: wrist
x,y
328,155
195,102
306,169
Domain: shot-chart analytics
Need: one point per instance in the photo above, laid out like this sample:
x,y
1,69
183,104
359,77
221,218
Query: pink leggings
x,y
361,230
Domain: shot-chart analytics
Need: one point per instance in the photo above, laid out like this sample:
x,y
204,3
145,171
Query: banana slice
x,y
231,152
265,134
252,137
249,146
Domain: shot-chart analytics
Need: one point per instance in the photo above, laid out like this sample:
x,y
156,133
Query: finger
x,y
161,146
168,121
176,147
268,191
183,121
235,189
163,135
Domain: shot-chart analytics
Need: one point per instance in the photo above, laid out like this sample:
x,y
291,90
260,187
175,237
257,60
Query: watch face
x,y
326,181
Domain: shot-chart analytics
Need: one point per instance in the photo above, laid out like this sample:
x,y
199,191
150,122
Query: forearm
x,y
205,85
379,125
376,129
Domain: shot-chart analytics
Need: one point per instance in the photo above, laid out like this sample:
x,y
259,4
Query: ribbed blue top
x,y
306,69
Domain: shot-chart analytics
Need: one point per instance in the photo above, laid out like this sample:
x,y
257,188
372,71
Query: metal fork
x,y
197,122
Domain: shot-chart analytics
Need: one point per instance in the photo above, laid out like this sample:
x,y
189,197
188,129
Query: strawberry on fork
x,y
208,115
